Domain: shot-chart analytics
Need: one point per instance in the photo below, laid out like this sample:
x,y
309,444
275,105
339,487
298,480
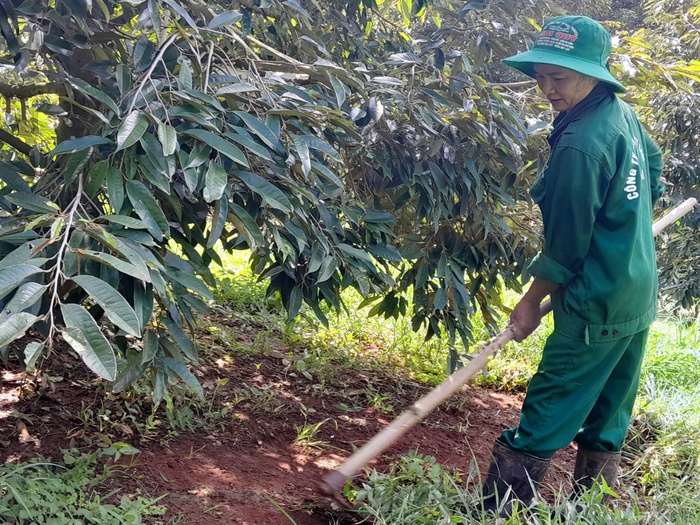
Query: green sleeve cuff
x,y
547,268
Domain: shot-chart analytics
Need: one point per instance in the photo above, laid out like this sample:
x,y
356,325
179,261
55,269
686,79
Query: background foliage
x,y
370,145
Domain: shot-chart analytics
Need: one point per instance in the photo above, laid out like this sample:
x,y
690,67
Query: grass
x,y
67,493
418,490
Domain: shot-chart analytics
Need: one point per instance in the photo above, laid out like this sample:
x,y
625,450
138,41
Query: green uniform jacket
x,y
596,194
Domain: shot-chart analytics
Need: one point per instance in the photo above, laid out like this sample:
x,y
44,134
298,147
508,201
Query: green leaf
x,y
131,372
19,255
341,91
12,276
224,19
147,208
25,297
295,6
215,182
271,194
354,252
116,263
322,146
294,304
123,78
31,202
239,87
317,254
185,75
115,188
150,346
182,340
132,129
261,130
328,269
58,45
192,178
160,387
223,146
98,94
81,144
252,146
125,220
117,309
189,281
15,327
154,13
388,252
440,299
32,352
136,255
168,138
326,173
303,152
95,178
12,177
143,303
153,174
154,151
85,337
218,221
390,81
184,14
198,156
246,226
74,166
183,373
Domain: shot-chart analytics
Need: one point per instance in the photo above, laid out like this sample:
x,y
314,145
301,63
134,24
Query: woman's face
x,y
564,88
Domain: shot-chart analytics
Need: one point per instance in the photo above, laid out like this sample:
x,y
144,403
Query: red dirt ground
x,y
245,468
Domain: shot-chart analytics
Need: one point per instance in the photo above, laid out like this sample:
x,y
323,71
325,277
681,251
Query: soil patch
x,y
256,453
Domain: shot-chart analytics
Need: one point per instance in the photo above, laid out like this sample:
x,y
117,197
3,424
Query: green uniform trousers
x,y
583,393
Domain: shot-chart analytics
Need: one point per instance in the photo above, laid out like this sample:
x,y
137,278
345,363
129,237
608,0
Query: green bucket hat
x,y
574,42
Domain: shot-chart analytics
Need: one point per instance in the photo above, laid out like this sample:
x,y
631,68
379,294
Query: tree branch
x,y
15,142
31,90
512,85
278,66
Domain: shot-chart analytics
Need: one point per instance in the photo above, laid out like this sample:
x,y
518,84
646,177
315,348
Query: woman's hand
x,y
525,318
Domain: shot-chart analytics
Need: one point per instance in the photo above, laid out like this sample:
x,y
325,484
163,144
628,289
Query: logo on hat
x,y
559,35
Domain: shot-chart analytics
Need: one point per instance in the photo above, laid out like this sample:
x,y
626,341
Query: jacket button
x,y
615,332
604,332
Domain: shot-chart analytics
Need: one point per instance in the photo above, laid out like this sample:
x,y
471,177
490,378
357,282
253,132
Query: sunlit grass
x,y
375,341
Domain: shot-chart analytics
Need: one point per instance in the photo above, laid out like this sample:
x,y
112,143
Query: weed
x,y
379,402
417,490
306,436
43,492
262,400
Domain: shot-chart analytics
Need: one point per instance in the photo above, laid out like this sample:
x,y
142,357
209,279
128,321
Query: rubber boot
x,y
595,464
513,475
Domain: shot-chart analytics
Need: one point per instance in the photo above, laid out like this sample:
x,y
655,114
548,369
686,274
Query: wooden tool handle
x,y
675,214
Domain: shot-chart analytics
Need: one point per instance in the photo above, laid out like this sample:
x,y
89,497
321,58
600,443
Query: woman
x,y
596,195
